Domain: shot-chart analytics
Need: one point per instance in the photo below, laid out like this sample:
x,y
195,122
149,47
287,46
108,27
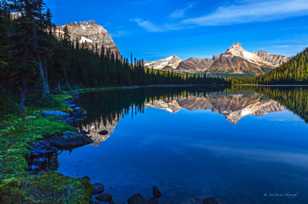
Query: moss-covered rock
x,y
16,138
17,133
48,188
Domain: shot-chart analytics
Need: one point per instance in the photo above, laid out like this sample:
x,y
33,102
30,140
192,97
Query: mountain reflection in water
x,y
233,106
235,144
104,115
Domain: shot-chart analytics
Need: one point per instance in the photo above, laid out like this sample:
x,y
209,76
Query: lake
x,y
240,145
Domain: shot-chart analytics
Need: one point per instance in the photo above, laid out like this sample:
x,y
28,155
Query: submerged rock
x,y
153,201
98,188
44,154
210,200
136,199
104,197
156,192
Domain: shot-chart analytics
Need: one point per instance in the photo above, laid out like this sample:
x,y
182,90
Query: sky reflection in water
x,y
235,146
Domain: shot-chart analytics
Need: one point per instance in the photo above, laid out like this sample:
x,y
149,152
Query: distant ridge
x,y
171,62
235,60
294,71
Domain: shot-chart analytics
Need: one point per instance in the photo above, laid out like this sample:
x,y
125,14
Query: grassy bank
x,y
17,133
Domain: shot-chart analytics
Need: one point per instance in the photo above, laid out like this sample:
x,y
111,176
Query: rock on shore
x,y
43,156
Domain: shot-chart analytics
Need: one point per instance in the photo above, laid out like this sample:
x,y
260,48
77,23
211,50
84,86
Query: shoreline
x,y
113,88
272,85
20,135
46,128
37,178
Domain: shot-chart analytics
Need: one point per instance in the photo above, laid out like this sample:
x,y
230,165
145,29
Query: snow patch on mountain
x,y
85,40
238,51
168,62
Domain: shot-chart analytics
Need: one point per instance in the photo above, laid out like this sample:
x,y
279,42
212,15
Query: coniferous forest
x,y
81,124
34,58
293,72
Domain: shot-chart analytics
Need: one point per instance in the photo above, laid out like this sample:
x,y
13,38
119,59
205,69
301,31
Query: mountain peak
x,y
173,57
237,50
165,63
90,33
236,46
236,59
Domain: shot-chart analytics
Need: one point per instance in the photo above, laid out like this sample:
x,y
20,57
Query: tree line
x,y
293,72
33,58
295,99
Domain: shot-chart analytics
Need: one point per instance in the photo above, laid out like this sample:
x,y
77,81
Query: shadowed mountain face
x,y
195,65
233,106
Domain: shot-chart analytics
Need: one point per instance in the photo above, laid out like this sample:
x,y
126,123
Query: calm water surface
x,y
240,146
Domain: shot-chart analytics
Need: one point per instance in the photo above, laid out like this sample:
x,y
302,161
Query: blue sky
x,y
153,29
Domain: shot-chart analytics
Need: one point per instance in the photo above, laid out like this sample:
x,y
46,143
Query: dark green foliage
x,y
16,135
4,39
82,67
293,72
48,188
295,99
36,57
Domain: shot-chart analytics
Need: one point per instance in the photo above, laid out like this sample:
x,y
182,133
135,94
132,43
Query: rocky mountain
x,y
275,60
237,60
292,72
233,106
195,65
90,34
168,63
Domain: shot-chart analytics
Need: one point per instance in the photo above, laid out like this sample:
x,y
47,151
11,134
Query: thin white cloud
x,y
147,25
287,47
246,11
180,13
155,28
252,11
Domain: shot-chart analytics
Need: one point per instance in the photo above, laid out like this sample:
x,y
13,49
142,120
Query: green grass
x,y
17,133
48,188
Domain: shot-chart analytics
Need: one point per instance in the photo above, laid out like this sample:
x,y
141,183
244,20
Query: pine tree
x,y
34,24
4,24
